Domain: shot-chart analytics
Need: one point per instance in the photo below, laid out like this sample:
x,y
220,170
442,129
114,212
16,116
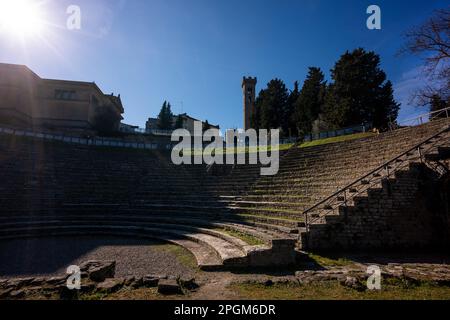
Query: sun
x,y
21,18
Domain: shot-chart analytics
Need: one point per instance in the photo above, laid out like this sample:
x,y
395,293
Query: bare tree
x,y
432,42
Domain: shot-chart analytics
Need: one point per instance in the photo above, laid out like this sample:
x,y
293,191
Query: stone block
x,y
169,287
110,285
98,271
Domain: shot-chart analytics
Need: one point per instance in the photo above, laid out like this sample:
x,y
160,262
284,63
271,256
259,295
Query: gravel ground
x,y
51,256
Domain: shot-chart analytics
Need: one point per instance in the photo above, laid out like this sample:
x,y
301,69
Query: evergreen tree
x,y
169,116
288,123
179,122
106,122
271,104
386,111
165,117
255,119
310,101
360,93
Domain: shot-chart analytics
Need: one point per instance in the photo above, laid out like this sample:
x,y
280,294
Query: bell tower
x,y
249,91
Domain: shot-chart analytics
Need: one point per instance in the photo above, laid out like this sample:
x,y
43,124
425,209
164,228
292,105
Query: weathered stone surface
x,y
17,294
150,282
268,283
137,283
19,283
110,285
169,287
87,287
128,281
67,294
188,283
395,214
3,283
348,274
98,271
353,283
38,281
5,293
56,280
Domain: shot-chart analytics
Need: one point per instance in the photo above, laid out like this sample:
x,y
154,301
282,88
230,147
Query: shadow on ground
x,y
52,255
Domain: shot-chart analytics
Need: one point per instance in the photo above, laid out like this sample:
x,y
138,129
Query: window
x,y
65,95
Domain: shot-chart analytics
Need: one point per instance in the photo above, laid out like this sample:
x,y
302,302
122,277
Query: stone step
x,y
258,230
279,225
225,247
232,251
207,258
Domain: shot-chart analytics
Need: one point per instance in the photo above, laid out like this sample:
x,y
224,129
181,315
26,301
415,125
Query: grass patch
x,y
268,217
93,296
240,150
333,290
337,139
274,209
131,294
249,239
328,261
184,256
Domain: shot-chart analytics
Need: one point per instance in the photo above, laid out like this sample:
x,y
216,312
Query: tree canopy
x,y
431,41
309,103
106,121
165,117
359,92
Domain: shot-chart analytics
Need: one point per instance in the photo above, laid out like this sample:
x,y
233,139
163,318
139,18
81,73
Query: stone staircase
x,y
53,188
396,206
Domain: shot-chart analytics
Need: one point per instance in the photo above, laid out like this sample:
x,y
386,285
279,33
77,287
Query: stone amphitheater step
x,y
148,184
231,250
278,224
258,230
228,252
248,204
207,258
220,210
294,198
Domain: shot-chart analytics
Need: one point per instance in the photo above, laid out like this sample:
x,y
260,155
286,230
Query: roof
x,y
129,125
193,119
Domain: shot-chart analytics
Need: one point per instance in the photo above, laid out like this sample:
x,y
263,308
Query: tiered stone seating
x,y
56,188
308,175
52,188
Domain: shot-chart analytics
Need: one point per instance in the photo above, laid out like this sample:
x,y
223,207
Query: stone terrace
x,y
59,189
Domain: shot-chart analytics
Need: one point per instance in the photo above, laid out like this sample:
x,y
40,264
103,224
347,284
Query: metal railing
x,y
423,118
336,133
347,194
94,141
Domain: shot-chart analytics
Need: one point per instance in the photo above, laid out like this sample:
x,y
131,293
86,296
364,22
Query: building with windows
x,y
27,100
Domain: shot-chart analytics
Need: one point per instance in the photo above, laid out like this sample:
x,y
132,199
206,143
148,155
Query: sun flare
x,y
20,18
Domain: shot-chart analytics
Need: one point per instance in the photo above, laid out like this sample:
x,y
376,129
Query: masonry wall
x,y
406,213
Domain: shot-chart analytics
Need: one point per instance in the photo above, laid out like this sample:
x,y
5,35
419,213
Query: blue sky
x,y
194,53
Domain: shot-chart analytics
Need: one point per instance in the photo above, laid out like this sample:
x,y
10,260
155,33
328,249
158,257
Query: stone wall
x,y
406,212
